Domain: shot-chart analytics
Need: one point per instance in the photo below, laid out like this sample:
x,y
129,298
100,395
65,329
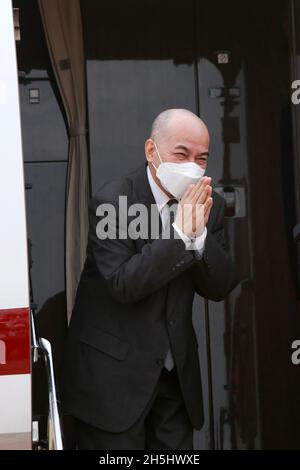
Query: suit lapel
x,y
142,194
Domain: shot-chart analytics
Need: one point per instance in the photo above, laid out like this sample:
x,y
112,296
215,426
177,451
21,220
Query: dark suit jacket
x,y
133,299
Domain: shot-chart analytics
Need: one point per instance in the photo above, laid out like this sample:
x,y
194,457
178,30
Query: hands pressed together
x,y
194,208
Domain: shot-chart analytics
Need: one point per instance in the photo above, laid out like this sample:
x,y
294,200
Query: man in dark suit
x,y
132,374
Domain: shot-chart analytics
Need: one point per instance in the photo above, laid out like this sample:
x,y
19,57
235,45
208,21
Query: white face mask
x,y
175,177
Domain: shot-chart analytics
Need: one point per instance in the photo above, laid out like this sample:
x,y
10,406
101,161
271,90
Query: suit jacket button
x,y
159,362
173,268
171,322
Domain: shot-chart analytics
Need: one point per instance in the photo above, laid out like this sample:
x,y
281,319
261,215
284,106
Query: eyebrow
x,y
183,147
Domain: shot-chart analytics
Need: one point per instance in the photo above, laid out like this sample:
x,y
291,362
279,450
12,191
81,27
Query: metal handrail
x,y
42,345
54,426
34,342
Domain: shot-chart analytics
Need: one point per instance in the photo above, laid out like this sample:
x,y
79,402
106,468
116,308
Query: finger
x,y
200,188
202,181
188,192
208,204
199,218
207,209
204,195
197,188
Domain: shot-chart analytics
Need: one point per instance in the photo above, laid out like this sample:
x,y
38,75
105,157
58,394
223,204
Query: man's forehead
x,y
186,141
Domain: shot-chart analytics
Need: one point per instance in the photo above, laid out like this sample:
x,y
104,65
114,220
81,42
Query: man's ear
x,y
149,150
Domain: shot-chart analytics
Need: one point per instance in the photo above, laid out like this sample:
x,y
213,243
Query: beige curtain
x,y
63,30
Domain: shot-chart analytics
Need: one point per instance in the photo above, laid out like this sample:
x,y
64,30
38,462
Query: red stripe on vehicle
x,y
14,341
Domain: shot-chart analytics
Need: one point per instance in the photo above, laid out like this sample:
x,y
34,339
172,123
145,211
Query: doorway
x,y
229,62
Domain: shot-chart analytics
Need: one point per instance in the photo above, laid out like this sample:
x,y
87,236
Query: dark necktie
x,y
172,206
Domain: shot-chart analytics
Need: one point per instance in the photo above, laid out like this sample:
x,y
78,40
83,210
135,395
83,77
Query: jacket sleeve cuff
x,y
197,244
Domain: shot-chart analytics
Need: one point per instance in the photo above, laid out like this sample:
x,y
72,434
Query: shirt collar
x,y
160,197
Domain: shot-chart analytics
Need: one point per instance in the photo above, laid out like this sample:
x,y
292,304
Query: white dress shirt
x,y
161,200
